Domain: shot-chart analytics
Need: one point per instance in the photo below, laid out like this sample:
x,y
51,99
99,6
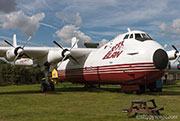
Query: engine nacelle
x,y
172,54
54,56
10,55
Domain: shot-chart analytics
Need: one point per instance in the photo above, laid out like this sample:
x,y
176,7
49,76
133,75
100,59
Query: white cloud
x,y
32,6
18,20
103,42
74,19
70,31
163,27
174,28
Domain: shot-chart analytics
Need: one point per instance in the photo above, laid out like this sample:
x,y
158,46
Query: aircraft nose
x,y
160,59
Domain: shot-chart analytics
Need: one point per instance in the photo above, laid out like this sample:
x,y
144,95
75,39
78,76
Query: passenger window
x,y
127,35
131,36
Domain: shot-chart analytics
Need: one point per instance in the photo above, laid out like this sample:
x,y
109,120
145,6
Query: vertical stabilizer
x,y
14,40
74,42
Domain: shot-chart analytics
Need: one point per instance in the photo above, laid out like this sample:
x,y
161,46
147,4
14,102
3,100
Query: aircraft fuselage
x,y
125,60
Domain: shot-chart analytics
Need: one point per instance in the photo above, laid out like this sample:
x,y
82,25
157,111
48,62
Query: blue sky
x,y
88,20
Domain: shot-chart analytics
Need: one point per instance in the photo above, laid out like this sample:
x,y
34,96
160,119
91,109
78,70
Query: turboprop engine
x,y
54,56
16,51
10,56
66,53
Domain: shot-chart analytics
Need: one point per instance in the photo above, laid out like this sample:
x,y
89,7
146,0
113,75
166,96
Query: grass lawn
x,y
75,103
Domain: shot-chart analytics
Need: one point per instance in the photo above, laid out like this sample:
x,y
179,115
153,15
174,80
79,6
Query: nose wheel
x,y
47,87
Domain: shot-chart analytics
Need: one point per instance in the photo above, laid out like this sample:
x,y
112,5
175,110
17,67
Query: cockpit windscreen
x,y
142,36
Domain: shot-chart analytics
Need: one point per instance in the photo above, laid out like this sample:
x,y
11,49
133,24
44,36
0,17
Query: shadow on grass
x,y
172,89
169,89
82,89
19,92
63,89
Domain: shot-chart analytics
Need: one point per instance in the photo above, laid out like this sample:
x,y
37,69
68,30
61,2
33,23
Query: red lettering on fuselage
x,y
115,51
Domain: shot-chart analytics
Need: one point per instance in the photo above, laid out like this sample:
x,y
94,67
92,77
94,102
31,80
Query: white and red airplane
x,y
132,60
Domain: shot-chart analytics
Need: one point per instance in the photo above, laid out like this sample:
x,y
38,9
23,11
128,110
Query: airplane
x,y
174,66
173,69
133,60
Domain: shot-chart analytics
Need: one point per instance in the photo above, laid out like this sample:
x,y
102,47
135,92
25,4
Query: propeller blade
x,y
74,44
58,44
27,55
29,38
73,59
165,46
62,60
16,59
8,43
177,59
175,49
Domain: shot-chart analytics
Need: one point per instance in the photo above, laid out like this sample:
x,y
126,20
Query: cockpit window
x,y
131,36
142,36
127,35
138,36
146,36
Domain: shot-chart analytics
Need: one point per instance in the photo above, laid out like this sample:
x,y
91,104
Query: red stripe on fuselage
x,y
113,74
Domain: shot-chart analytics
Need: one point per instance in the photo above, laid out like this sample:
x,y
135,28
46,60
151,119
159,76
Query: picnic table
x,y
141,106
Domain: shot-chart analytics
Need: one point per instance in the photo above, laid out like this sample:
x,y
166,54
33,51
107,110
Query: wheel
x,y
142,88
52,88
44,87
152,87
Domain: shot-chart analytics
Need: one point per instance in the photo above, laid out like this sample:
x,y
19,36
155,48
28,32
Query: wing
x,y
38,52
46,54
3,51
34,52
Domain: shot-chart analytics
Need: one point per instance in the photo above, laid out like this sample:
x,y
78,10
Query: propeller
x,y
66,53
9,43
165,46
176,53
18,51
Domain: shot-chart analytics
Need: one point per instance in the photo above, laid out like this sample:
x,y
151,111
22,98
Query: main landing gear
x,y
47,87
47,84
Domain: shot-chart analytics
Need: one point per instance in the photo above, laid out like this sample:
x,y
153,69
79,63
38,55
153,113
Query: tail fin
x,y
14,40
74,41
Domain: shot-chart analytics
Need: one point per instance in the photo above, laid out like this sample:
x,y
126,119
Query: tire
x,y
152,87
52,88
44,87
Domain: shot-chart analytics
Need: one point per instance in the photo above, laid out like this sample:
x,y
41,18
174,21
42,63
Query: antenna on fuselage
x,y
129,30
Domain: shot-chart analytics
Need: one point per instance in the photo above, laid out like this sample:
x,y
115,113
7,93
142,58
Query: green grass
x,y
75,103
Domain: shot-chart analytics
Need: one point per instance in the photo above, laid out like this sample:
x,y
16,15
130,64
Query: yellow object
x,y
54,74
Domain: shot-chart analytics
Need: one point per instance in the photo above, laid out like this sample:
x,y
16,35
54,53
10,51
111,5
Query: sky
x,y
88,20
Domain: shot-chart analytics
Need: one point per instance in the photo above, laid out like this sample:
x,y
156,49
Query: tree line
x,y
10,74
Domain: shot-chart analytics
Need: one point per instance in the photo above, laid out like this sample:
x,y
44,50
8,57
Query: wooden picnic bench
x,y
140,106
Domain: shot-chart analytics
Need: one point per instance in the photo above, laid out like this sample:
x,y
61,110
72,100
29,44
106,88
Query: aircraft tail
x,y
74,42
14,40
